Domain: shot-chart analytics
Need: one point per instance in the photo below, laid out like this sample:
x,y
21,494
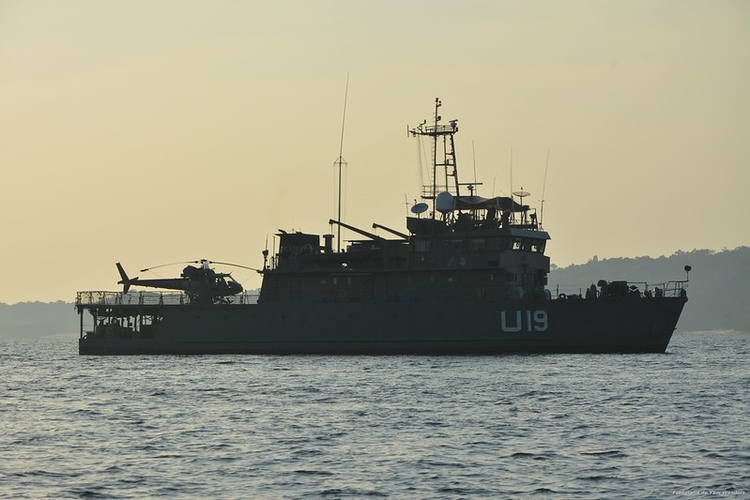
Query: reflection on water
x,y
589,426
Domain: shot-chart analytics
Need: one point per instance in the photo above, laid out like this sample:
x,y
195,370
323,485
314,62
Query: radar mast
x,y
443,156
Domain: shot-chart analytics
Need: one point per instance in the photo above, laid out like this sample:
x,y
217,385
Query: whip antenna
x,y
341,162
544,186
474,160
511,184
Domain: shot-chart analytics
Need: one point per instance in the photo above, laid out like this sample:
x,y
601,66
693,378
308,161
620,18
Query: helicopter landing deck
x,y
134,314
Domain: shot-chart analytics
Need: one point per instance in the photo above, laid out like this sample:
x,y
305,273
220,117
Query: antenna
x,y
511,180
434,156
544,186
474,160
521,194
265,255
340,162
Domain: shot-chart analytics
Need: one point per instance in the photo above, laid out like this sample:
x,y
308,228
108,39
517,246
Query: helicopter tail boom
x,y
125,281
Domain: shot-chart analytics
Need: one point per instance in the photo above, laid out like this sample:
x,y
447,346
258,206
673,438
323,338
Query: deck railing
x,y
665,289
98,298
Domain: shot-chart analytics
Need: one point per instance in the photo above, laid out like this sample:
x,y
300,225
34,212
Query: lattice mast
x,y
443,156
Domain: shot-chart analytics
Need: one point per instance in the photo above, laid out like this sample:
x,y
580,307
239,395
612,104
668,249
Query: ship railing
x,y
429,191
107,298
563,291
439,129
244,298
100,298
675,288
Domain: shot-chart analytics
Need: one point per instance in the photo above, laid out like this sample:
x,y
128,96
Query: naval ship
x,y
467,276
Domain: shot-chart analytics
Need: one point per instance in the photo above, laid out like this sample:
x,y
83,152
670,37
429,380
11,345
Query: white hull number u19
x,y
526,321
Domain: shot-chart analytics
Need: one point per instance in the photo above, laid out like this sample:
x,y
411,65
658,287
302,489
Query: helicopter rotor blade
x,y
200,262
165,265
233,265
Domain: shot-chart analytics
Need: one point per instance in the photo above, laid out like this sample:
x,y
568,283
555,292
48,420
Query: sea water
x,y
564,426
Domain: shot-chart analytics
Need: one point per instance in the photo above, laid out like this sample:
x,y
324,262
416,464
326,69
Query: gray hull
x,y
465,327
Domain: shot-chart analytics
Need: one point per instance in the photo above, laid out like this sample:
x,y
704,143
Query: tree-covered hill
x,y
718,288
37,319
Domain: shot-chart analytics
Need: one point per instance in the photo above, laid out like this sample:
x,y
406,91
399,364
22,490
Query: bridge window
x,y
477,244
537,246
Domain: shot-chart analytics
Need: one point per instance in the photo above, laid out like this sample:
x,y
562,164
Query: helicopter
x,y
201,283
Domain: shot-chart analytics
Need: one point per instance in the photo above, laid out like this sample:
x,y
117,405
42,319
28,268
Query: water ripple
x,y
581,426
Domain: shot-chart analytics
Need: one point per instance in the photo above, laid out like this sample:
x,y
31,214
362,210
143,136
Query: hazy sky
x,y
156,131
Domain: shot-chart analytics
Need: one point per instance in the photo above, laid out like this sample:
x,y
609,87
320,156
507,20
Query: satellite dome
x,y
445,202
